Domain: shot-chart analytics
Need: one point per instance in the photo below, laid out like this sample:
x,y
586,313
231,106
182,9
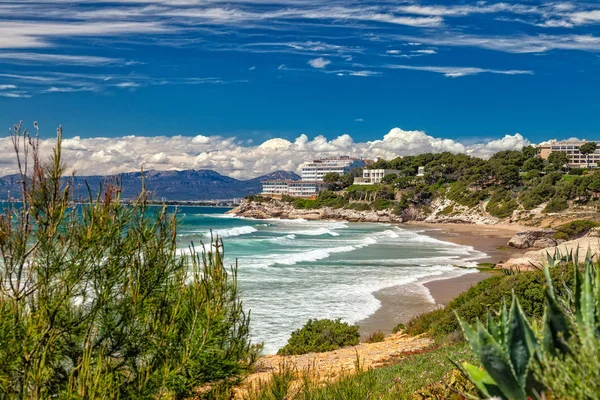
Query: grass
x,y
407,376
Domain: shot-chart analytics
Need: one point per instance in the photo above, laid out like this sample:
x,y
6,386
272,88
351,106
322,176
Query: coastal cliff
x,y
439,211
285,210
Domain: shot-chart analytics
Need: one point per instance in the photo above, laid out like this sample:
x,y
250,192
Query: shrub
x,y
575,229
320,336
502,204
376,337
358,206
99,303
486,295
576,171
382,204
447,210
537,195
557,204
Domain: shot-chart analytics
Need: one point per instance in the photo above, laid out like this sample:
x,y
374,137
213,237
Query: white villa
x,y
374,176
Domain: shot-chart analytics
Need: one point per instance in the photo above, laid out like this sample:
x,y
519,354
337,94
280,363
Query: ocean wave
x,y
231,232
304,256
318,232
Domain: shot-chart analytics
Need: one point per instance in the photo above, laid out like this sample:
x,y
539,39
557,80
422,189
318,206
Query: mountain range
x,y
186,185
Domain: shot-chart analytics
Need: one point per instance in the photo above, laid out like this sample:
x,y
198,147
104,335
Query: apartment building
x,y
280,188
374,176
571,147
316,169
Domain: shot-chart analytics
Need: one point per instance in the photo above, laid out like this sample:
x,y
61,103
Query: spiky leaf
x,y
521,341
484,383
557,327
497,364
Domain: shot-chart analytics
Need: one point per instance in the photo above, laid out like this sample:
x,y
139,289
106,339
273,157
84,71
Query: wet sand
x,y
399,304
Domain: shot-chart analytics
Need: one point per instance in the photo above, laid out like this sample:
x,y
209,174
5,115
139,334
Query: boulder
x,y
594,232
536,238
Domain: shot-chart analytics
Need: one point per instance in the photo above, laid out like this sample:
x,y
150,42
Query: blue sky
x,y
467,71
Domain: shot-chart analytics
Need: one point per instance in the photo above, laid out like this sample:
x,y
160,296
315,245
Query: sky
x,y
247,87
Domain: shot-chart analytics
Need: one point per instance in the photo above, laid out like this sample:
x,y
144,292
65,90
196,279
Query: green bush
x,y
575,229
537,195
376,337
321,335
358,206
101,304
486,295
382,204
557,204
577,171
502,204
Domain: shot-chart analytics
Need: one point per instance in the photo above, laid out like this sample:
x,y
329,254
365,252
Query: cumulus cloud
x,y
229,156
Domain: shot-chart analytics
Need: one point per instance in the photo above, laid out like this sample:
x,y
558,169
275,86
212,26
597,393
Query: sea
x,y
290,271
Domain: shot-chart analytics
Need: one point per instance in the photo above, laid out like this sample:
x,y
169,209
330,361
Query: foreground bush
x,y
96,303
560,360
321,335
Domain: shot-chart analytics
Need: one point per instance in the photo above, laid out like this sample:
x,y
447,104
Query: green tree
x,y
529,151
587,149
96,300
558,159
533,163
389,178
331,177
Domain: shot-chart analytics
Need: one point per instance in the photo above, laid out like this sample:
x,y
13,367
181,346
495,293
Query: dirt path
x,y
329,366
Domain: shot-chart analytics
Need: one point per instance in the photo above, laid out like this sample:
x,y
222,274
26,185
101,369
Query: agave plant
x,y
507,349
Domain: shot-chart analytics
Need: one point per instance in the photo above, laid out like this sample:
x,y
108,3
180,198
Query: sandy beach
x,y
399,304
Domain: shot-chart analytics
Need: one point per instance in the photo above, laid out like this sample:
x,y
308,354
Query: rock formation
x,y
282,209
535,238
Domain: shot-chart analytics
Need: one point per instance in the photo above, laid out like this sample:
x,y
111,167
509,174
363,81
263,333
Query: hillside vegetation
x,y
453,183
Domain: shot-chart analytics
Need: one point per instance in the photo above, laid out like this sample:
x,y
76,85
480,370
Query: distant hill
x,y
187,185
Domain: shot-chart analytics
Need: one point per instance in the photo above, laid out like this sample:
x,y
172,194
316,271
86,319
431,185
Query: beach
x,y
401,303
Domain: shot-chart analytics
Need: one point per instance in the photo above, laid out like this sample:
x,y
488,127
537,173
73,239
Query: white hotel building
x,y
312,178
276,188
571,148
316,169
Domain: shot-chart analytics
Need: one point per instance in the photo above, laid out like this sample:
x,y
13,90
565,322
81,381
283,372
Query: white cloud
x,y
93,156
518,44
127,85
425,51
456,72
5,87
30,34
319,62
56,59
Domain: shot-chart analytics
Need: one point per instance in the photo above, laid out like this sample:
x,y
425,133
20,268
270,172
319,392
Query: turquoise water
x,y
294,270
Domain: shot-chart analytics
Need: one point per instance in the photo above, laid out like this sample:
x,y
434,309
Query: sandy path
x,y
329,366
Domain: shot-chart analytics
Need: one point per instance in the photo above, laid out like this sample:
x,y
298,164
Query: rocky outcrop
x,y
535,259
448,211
284,210
535,238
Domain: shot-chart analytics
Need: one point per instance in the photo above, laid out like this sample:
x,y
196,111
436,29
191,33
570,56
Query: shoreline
x,y
401,303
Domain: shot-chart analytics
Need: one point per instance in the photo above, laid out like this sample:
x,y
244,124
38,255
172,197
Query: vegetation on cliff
x,y
508,181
